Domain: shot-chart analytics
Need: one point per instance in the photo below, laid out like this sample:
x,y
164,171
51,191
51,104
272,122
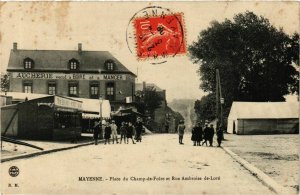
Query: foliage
x,y
256,61
205,108
4,82
254,58
148,100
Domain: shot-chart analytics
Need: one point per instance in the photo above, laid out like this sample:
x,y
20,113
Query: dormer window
x,y
73,64
28,63
110,65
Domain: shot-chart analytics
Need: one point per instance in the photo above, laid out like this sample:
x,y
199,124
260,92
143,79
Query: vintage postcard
x,y
168,97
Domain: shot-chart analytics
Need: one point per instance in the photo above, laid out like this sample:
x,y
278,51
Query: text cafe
x,y
50,118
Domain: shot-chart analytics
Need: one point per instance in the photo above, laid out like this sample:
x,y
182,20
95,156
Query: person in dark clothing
x,y
96,131
123,132
206,135
197,134
130,132
139,129
180,130
211,135
107,133
220,136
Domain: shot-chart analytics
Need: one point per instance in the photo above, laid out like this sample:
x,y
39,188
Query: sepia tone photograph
x,y
140,97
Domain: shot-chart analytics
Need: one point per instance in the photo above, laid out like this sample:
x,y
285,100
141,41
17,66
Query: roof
x,y
139,86
264,110
57,60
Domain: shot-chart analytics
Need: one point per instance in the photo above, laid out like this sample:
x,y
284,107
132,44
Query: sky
x,y
101,26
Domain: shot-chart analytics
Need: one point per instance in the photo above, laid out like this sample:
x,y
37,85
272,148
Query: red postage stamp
x,y
159,36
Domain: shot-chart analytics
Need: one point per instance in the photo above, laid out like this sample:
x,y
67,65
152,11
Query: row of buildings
x,y
73,77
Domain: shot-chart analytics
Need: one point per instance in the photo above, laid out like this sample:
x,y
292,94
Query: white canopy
x,y
94,106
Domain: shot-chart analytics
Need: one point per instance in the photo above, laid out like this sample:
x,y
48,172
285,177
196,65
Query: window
x,y
51,88
110,65
28,63
94,91
74,64
110,91
73,89
27,87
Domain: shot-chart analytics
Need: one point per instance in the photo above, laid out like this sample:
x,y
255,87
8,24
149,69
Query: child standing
x,y
123,132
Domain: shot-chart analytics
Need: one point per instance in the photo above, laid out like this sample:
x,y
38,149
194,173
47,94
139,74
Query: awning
x,y
126,111
93,107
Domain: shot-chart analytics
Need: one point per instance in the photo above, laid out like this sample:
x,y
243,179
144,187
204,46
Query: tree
x,y
4,82
256,61
205,108
148,99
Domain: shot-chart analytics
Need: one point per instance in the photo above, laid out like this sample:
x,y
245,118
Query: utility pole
x,y
217,99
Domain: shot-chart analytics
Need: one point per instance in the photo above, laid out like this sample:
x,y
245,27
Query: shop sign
x,y
67,103
68,76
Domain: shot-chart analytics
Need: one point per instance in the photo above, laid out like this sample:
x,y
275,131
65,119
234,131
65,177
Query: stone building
x,y
73,73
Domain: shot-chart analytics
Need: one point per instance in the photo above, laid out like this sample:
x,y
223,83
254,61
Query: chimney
x,y
79,47
15,46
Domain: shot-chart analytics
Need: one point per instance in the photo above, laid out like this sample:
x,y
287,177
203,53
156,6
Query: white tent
x,y
261,110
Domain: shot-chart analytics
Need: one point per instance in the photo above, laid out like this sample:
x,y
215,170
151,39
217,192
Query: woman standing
x,y
197,134
107,133
180,130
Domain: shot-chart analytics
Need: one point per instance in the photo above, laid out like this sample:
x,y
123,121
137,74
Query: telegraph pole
x,y
217,99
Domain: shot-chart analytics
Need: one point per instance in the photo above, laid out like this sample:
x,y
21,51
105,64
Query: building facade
x,y
73,73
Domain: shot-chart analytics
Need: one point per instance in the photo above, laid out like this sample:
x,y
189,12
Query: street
x,y
157,165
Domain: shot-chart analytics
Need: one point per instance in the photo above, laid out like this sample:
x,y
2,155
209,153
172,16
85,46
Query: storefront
x,y
50,118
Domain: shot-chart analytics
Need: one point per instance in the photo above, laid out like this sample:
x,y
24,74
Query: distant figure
x,y
139,129
197,134
114,132
107,133
180,130
130,132
96,131
206,134
220,136
123,132
211,135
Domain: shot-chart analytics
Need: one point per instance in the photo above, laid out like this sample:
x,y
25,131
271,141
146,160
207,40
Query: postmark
x,y
157,33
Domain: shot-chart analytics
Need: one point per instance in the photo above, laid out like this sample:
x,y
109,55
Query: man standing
x,y
180,130
139,129
206,134
107,133
114,132
123,132
130,132
211,135
96,131
220,136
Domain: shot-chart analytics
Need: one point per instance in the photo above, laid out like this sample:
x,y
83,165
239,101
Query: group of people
x,y
201,135
207,134
127,131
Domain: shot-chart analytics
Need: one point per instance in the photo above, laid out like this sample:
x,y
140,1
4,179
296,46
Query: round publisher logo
x,y
13,171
